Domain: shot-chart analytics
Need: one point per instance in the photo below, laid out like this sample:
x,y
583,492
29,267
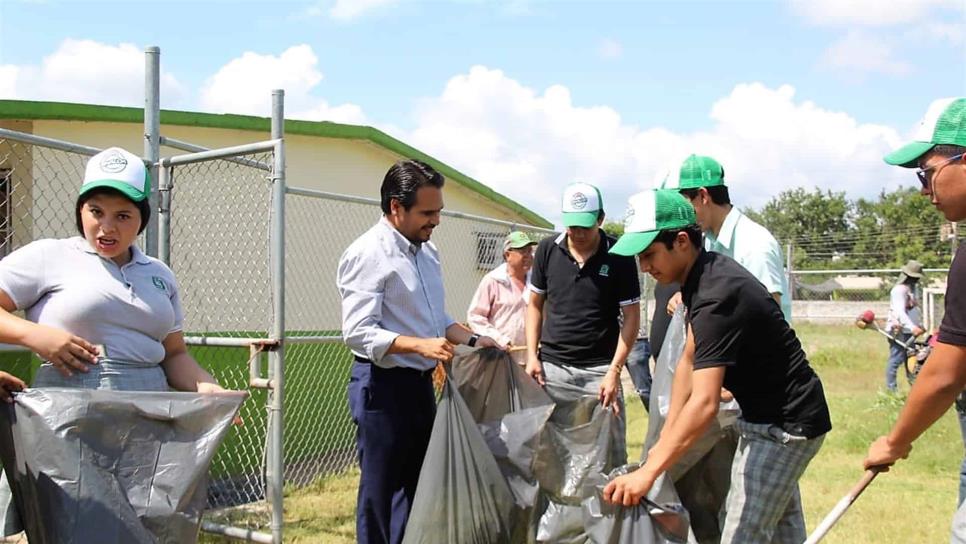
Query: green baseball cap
x,y
696,171
944,123
118,169
516,240
648,213
581,204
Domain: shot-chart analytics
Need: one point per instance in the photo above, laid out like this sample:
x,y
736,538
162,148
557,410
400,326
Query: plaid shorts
x,y
106,375
959,525
764,505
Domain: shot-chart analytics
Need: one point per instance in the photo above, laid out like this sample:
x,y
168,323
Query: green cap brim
x,y
580,219
125,188
908,155
518,246
632,243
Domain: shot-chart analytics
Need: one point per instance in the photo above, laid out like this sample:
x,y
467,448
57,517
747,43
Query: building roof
x,y
63,111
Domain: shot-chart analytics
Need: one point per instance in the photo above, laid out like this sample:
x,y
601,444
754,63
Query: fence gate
x,y
221,213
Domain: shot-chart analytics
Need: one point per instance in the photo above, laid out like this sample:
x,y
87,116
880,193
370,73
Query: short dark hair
x,y
143,206
718,193
948,150
668,236
403,180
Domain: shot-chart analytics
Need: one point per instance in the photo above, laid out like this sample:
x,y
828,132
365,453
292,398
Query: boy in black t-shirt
x,y
738,339
939,153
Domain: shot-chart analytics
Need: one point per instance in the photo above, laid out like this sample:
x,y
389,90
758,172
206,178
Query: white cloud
x,y
609,49
346,10
89,72
244,86
857,54
868,12
528,144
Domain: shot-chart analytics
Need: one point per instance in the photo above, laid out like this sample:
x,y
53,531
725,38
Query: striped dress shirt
x,y
390,287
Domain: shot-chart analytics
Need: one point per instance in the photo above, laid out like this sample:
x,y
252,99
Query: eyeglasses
x,y
923,173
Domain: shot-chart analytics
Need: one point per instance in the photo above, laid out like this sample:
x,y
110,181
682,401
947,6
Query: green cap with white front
x,y
944,124
696,171
650,212
581,205
118,169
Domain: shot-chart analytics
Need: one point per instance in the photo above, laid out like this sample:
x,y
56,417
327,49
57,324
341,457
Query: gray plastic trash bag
x,y
702,477
511,411
578,444
112,466
461,496
648,522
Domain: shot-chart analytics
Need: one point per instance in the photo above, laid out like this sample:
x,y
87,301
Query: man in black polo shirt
x,y
939,155
578,290
737,338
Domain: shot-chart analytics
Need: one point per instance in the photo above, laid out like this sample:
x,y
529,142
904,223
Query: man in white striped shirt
x,y
395,324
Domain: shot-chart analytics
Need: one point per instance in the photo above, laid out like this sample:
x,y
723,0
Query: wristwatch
x,y
472,341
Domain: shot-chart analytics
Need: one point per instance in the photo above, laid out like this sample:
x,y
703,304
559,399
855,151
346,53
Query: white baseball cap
x,y
581,205
118,169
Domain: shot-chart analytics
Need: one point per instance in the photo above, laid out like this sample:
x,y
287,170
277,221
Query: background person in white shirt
x,y
395,323
499,306
905,319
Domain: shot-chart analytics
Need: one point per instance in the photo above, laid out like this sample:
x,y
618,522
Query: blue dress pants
x,y
393,409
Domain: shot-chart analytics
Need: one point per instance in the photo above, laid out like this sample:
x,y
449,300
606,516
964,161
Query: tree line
x,y
827,230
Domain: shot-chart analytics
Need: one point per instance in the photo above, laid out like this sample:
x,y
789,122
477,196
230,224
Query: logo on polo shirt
x,y
604,270
159,283
113,162
578,201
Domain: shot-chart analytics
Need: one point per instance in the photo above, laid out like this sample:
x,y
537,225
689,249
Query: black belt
x,y
421,373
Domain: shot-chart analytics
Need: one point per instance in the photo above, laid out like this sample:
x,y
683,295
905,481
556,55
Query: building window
x,y
489,254
6,225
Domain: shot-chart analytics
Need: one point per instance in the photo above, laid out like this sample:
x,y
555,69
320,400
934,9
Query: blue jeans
x,y
638,364
897,358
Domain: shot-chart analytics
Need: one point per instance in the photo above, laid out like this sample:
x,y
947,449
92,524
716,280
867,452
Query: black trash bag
x,y
461,496
702,477
658,520
112,466
511,411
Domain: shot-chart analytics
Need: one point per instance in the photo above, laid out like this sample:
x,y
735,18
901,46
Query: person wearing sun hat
x,y
938,153
498,308
739,339
905,320
701,180
584,309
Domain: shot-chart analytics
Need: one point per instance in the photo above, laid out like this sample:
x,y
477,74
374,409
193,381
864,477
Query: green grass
x,y
912,503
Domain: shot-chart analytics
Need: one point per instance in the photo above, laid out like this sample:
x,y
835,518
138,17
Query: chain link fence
x,y
838,296
219,232
319,435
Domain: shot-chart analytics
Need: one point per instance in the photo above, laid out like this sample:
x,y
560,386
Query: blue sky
x,y
527,96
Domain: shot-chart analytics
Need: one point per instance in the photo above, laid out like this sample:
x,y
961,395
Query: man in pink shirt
x,y
499,306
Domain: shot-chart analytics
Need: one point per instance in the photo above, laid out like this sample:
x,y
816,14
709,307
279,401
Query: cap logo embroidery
x,y
628,217
578,201
113,163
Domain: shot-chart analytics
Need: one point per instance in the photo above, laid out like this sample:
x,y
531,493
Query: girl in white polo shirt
x,y
99,312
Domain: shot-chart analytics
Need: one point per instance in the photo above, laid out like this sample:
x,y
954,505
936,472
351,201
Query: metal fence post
x,y
152,144
164,214
276,357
